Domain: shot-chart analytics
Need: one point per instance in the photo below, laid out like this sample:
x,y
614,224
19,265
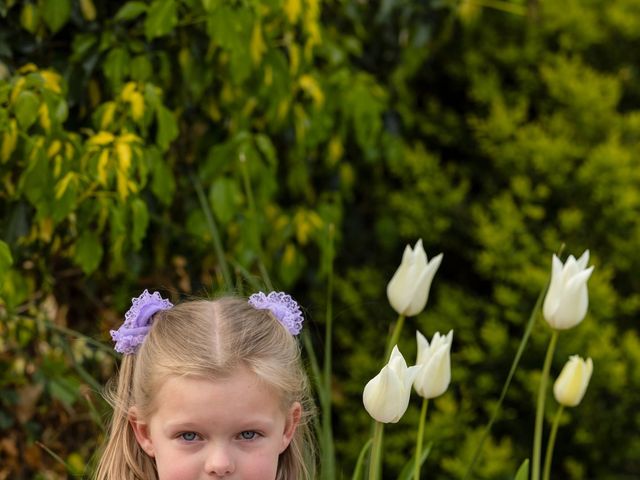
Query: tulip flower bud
x,y
572,382
434,365
386,396
567,299
408,290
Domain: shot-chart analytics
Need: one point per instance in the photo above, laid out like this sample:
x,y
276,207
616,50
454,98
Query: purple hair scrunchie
x,y
137,321
283,307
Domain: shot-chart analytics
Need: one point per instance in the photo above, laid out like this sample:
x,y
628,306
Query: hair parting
x,y
207,339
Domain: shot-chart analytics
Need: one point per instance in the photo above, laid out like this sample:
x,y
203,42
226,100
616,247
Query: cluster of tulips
x,y
386,396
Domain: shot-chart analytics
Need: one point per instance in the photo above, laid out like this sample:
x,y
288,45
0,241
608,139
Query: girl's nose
x,y
219,461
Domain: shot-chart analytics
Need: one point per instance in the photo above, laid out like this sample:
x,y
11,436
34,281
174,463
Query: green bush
x,y
188,145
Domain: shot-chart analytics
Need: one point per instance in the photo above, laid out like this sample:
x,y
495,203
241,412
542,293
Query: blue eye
x,y
248,435
188,436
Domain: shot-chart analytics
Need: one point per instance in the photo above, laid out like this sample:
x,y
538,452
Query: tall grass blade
x,y
328,448
215,234
523,471
409,467
359,468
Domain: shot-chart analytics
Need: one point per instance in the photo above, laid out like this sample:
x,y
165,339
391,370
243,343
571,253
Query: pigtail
x,y
122,457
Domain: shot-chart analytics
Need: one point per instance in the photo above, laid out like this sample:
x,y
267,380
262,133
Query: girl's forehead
x,y
236,398
240,384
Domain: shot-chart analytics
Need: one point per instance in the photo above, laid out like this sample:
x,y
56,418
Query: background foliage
x,y
137,138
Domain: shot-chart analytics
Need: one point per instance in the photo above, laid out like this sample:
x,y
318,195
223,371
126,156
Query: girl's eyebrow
x,y
247,422
181,426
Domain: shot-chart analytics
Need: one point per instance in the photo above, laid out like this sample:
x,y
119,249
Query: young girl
x,y
210,389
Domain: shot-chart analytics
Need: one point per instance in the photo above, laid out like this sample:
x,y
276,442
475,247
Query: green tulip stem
x,y
395,336
423,418
550,445
542,393
375,460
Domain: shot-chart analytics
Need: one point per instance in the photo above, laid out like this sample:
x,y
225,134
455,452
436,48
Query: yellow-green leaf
x,y
101,138
26,108
123,150
88,10
258,46
131,10
30,17
55,13
6,260
161,18
9,140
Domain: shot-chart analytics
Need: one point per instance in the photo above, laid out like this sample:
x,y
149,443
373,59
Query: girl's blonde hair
x,y
207,339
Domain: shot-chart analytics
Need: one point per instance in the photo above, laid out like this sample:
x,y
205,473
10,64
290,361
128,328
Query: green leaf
x,y
196,226
167,127
6,260
116,66
131,10
266,148
358,470
55,13
26,108
66,193
211,5
140,221
163,184
141,68
291,263
88,252
161,18
65,389
407,470
523,471
14,290
224,199
231,28
36,183
82,45
5,90
30,17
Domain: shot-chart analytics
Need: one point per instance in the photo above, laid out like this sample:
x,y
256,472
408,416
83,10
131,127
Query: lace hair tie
x,y
283,307
137,321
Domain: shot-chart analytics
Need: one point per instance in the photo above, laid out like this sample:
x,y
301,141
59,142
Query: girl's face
x,y
233,428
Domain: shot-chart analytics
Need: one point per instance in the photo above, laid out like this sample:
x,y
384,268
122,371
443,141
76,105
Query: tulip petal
x,y
583,260
423,348
579,279
408,289
422,286
571,385
401,287
434,374
567,299
419,255
386,396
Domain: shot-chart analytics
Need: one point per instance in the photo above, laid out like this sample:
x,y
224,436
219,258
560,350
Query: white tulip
x,y
434,365
572,382
408,290
386,396
567,299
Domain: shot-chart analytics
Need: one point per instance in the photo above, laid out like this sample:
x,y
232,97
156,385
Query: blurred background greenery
x,y
141,140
